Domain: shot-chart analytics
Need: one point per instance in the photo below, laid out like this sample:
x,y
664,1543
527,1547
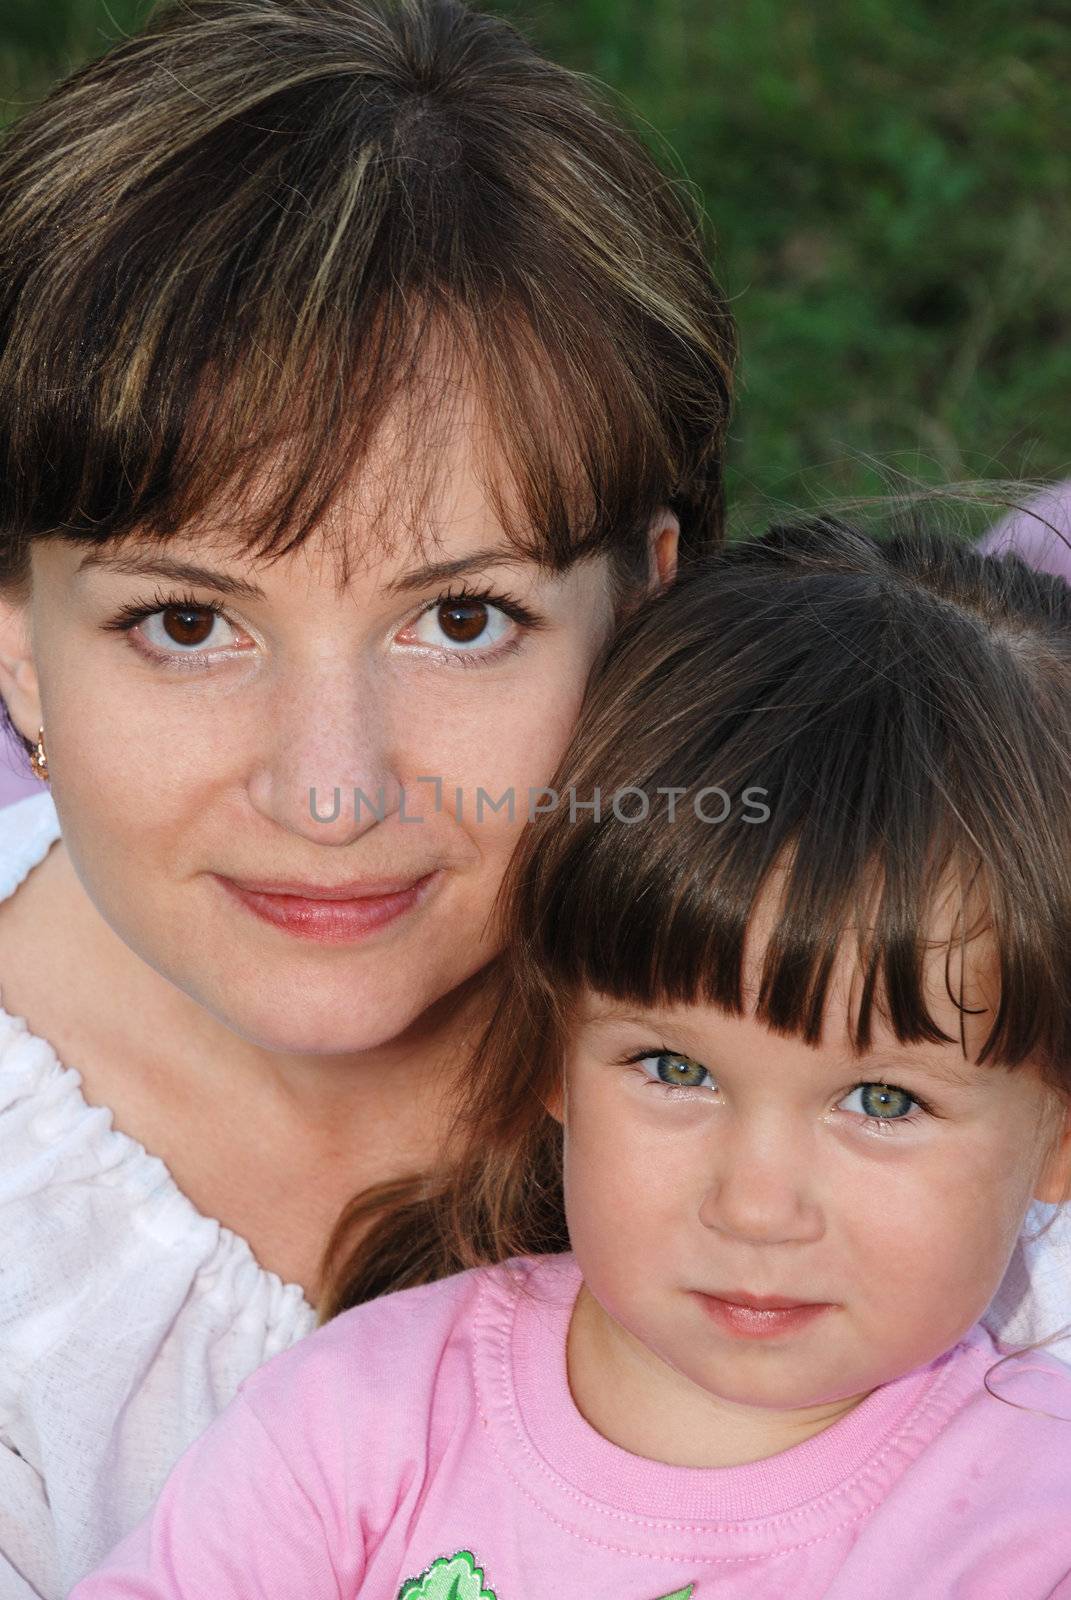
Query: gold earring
x,y
39,758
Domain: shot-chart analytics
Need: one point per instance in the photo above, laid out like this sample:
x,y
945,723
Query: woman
x,y
356,372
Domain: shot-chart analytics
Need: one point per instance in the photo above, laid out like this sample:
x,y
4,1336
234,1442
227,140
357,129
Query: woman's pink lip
x,y
331,921
357,889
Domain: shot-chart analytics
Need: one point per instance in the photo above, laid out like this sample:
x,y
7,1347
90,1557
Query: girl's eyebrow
x,y
599,1016
963,1075
224,583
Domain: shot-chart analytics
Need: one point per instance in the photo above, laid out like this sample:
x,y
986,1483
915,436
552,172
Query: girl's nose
x,y
762,1189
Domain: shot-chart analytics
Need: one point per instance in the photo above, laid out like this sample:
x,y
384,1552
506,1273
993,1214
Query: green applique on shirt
x,y
450,1578
458,1577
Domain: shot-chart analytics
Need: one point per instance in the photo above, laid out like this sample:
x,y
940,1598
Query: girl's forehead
x,y
742,1042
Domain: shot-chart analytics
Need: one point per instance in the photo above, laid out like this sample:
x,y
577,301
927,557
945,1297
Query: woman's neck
x,y
271,1144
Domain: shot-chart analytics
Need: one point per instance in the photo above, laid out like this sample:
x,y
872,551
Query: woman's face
x,y
183,750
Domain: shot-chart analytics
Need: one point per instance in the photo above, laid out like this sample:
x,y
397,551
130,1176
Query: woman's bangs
x,y
271,439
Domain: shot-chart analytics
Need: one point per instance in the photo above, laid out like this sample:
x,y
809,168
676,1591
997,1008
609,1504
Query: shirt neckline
x,y
827,1479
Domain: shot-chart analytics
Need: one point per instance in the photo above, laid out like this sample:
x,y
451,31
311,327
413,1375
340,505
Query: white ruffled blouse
x,y
127,1319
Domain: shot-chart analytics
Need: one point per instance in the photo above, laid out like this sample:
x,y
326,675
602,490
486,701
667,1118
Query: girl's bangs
x,y
822,798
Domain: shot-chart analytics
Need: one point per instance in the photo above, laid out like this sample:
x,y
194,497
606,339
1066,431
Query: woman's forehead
x,y
433,487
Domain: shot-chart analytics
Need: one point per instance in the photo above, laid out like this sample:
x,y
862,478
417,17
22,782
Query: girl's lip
x,y
745,1321
760,1302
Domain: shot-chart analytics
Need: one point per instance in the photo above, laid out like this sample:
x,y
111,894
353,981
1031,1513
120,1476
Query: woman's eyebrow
x,y
224,583
177,571
442,571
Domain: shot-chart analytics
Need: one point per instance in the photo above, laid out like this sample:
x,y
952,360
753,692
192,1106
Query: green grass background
x,y
889,189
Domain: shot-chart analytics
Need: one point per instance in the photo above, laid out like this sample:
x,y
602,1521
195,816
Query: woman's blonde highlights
x,y
247,234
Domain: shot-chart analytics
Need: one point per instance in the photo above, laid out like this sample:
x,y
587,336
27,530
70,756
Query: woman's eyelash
x,y
131,615
137,611
500,599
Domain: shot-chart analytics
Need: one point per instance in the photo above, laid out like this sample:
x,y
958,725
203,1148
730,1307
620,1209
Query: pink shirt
x,y
426,1447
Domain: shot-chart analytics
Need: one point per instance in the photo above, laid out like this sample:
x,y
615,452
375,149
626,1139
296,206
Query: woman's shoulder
x,y
93,1227
127,1319
28,828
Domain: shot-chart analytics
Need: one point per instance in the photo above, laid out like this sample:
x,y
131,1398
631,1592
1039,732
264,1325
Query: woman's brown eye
x,y
463,620
464,624
187,627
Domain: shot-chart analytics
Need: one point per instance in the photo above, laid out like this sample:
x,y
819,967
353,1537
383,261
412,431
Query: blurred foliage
x,y
889,189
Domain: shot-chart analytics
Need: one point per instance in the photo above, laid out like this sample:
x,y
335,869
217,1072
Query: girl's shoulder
x,y
399,1377
1018,1391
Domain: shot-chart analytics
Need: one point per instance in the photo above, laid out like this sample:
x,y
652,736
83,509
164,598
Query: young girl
x,y
784,1045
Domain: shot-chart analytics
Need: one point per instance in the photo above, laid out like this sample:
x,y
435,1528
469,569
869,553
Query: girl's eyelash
x,y
136,612
882,1126
672,1089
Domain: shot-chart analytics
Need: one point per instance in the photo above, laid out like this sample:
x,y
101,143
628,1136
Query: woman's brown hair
x,y
883,718
248,231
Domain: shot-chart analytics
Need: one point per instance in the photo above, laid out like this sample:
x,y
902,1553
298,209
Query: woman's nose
x,y
761,1188
328,770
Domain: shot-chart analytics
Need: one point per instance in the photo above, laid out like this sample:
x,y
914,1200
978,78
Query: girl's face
x,y
183,746
708,1158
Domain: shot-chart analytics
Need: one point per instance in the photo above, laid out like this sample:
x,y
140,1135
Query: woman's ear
x,y
663,537
1053,1186
18,673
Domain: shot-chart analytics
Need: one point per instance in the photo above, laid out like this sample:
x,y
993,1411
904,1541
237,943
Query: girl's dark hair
x,y
241,237
902,710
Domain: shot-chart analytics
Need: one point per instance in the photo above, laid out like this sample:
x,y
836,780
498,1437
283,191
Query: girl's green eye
x,y
680,1071
883,1101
